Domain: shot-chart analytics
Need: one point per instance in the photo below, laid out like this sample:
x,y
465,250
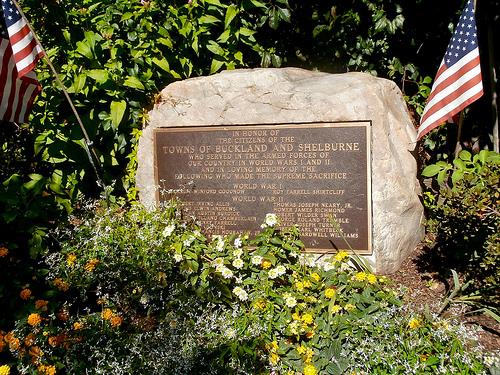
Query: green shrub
x,y
464,218
138,291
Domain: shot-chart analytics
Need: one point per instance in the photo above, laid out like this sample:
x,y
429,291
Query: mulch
x,y
427,289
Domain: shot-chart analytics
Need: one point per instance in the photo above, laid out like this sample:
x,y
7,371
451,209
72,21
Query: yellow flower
x,y
3,253
296,316
341,255
77,326
41,304
299,285
274,358
34,319
307,284
107,314
260,304
273,346
71,259
349,307
307,318
423,357
308,355
315,276
310,370
330,292
414,323
47,370
4,370
372,279
301,349
116,321
336,308
91,264
266,264
360,276
25,294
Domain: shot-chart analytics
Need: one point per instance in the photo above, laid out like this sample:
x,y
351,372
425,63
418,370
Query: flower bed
x,y
138,291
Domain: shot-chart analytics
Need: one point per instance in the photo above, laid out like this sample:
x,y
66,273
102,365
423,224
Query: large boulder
x,y
261,96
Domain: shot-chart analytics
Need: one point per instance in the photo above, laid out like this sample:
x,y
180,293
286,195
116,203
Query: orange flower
x,y
34,319
14,343
116,321
60,284
41,304
91,264
63,315
77,326
3,251
53,340
25,294
29,340
35,352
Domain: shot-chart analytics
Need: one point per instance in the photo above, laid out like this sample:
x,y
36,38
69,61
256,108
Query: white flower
x,y
220,242
238,242
196,233
177,257
218,262
238,263
327,266
273,273
240,293
280,270
290,301
237,253
271,220
256,260
144,299
226,272
169,229
188,241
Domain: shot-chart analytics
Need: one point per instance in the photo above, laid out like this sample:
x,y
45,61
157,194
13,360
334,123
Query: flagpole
x,y
88,143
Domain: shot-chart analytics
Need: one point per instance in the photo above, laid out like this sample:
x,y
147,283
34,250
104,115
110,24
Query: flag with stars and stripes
x,y
458,81
19,53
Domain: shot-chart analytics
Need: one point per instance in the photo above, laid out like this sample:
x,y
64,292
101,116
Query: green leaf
x,y
208,19
214,47
431,170
258,4
134,82
117,111
163,64
99,75
216,66
465,155
231,12
79,83
84,49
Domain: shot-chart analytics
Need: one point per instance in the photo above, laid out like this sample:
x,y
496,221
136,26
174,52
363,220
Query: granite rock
x,y
259,96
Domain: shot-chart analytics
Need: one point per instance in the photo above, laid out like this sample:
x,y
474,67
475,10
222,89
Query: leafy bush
x,y
464,217
140,291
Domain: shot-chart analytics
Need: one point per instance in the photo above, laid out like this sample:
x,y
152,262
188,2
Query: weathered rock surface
x,y
262,96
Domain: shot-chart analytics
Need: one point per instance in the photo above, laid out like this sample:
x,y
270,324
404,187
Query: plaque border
x,y
314,124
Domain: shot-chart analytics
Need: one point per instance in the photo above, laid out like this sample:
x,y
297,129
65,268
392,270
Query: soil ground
x,y
427,289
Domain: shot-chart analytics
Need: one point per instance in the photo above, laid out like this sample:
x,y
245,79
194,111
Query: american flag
x,y
19,53
458,81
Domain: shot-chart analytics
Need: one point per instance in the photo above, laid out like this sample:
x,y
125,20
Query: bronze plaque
x,y
230,177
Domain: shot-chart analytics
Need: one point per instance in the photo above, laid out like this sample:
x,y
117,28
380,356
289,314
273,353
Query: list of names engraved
x,y
315,175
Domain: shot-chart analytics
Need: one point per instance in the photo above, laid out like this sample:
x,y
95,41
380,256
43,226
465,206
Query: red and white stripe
x,y
17,94
454,89
24,46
